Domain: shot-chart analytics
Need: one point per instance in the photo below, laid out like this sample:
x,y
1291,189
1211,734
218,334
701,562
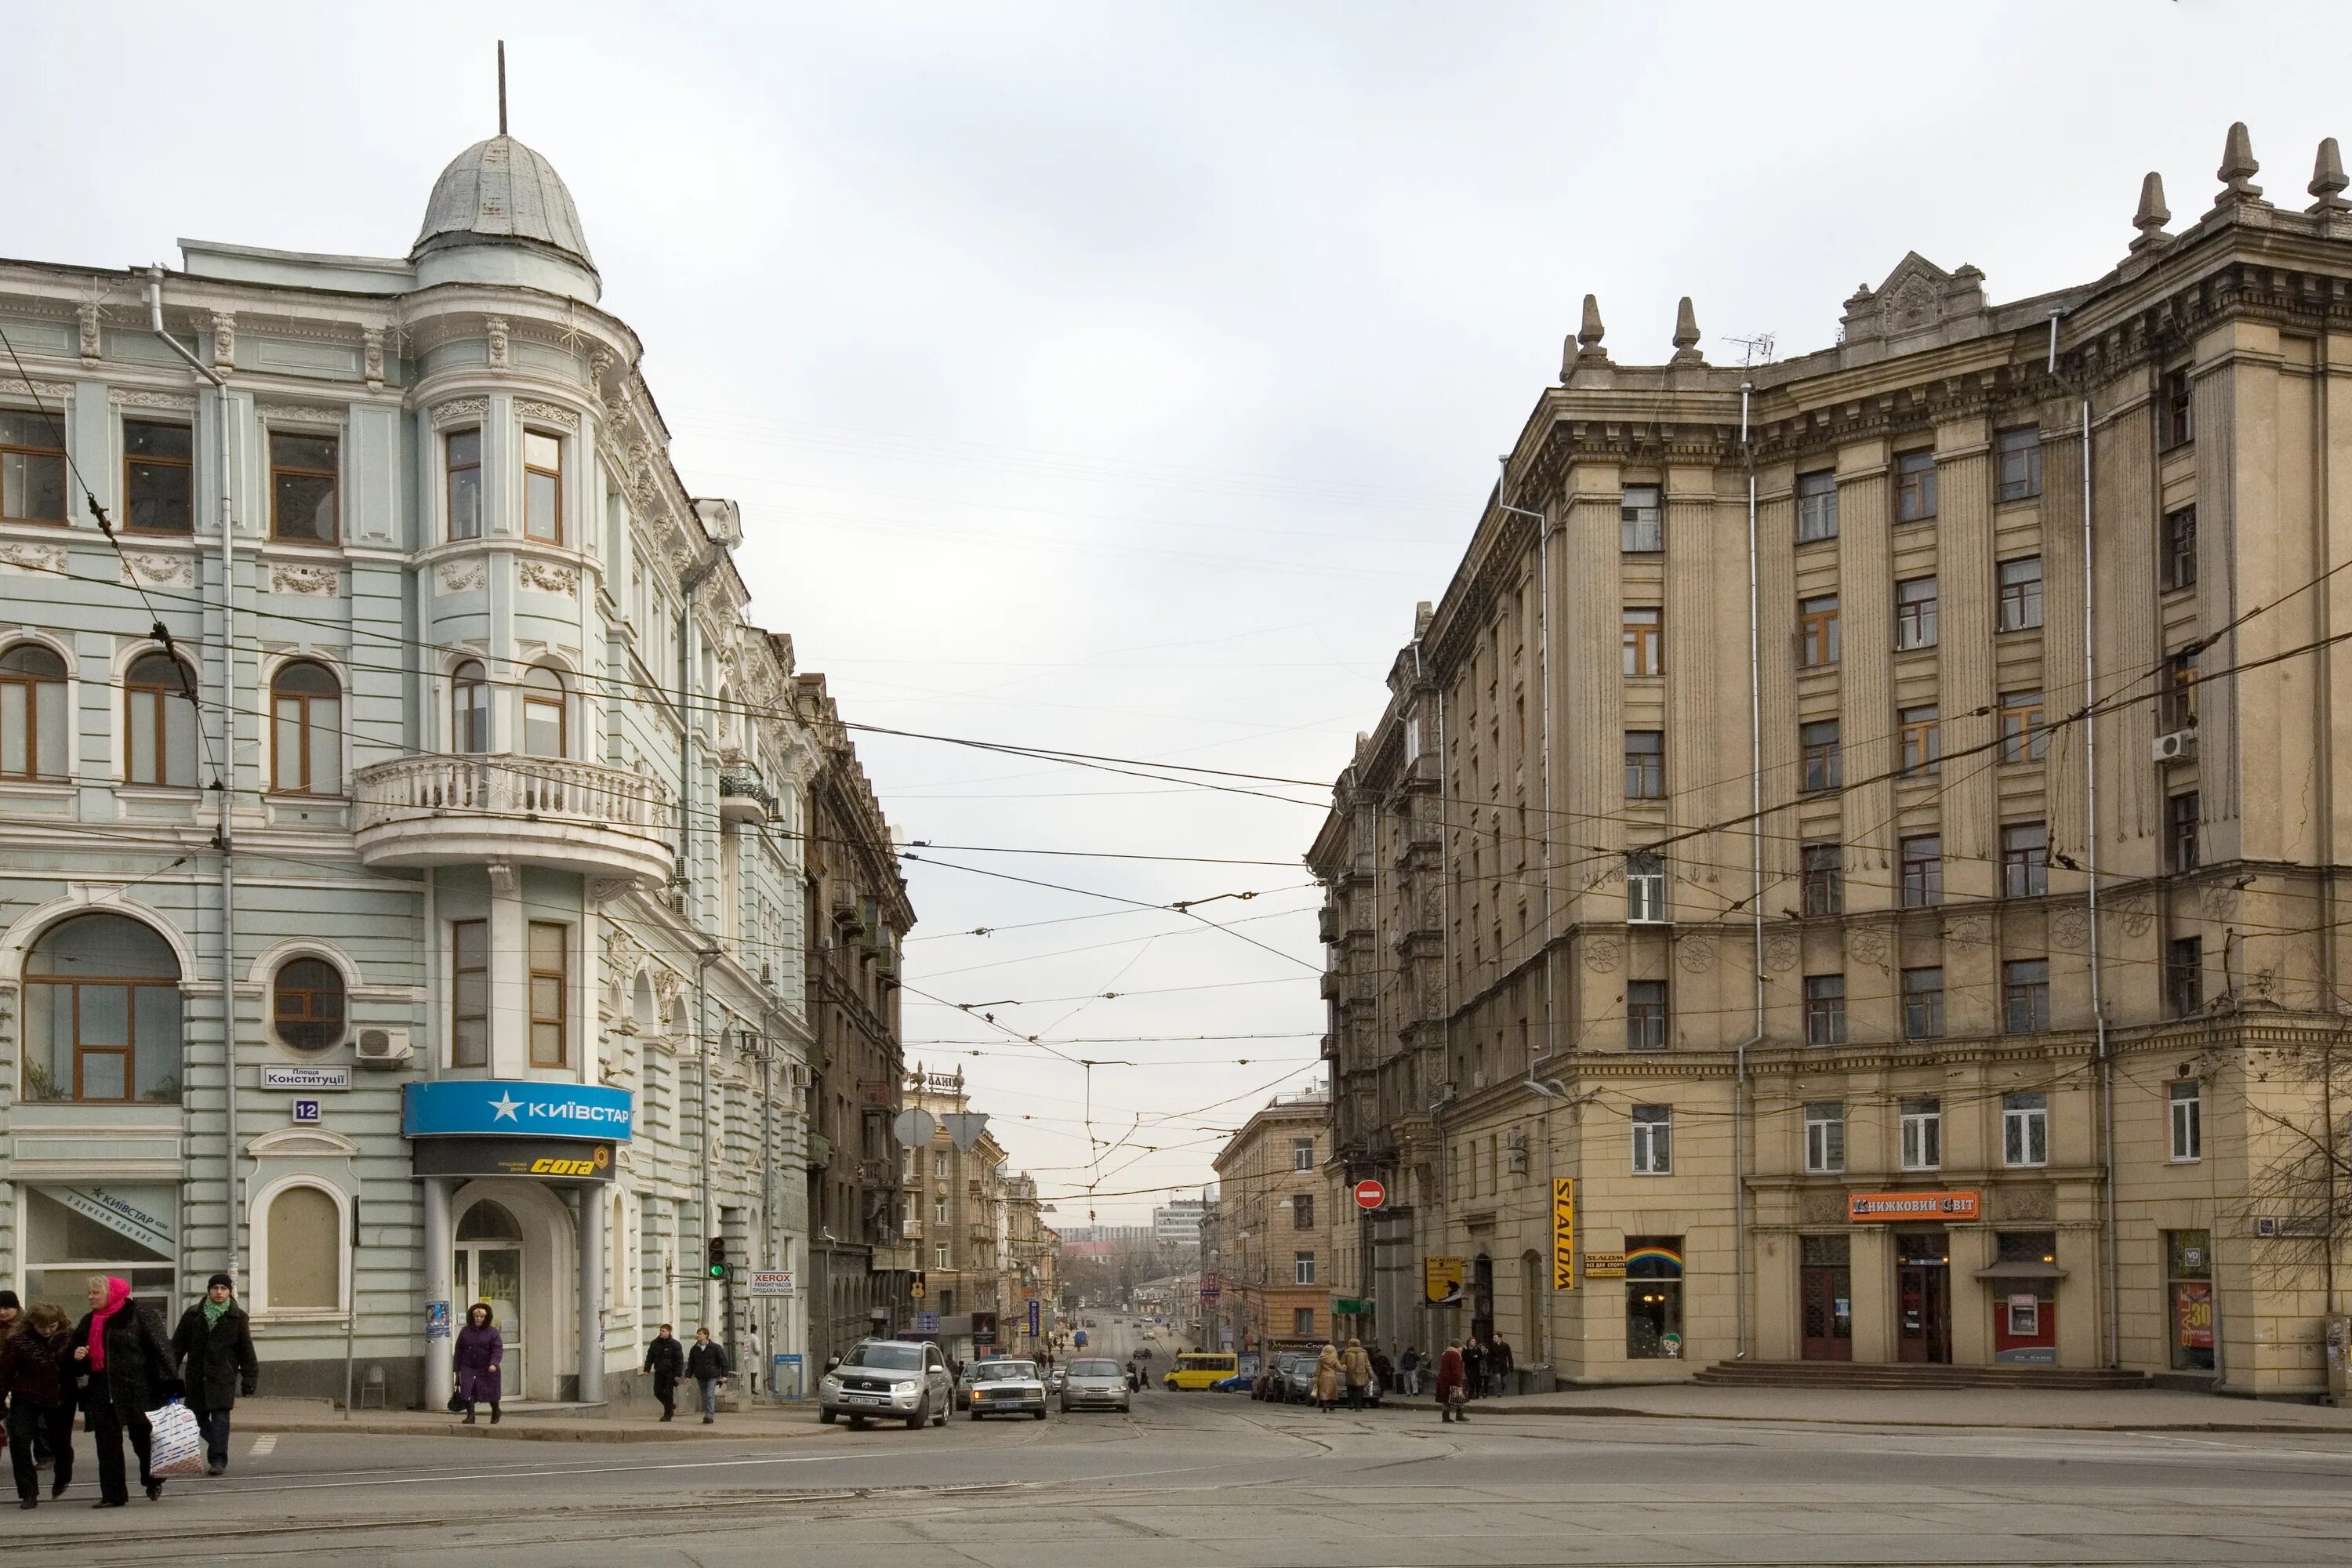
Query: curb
x,y
516,1430
1620,1412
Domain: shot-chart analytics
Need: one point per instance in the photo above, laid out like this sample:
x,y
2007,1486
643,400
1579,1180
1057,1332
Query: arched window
x,y
305,1261
159,722
469,708
32,713
306,1004
306,711
102,1013
543,727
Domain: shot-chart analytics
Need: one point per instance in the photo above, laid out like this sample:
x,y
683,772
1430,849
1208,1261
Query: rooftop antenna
x,y
502,87
1754,351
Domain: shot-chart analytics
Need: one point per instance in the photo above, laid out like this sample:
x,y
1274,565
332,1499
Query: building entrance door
x,y
488,1268
1922,1300
1825,1299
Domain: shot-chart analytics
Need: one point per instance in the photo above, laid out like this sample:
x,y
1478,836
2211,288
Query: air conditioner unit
x,y
383,1048
2180,746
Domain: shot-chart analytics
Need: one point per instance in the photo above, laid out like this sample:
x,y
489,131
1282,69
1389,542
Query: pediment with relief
x,y
1917,296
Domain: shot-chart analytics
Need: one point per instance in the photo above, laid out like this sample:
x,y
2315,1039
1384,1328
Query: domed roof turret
x,y
500,193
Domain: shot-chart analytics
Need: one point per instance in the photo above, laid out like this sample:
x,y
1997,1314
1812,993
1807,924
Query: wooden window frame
x,y
463,713
1825,1009
1636,534
1645,779
2022,728
2175,705
131,460
1819,645
2184,975
2024,863
1922,871
2180,548
2018,605
1915,486
303,729
538,696
560,1019
1647,1020
309,1013
1817,506
2176,407
2024,999
1821,762
450,470
333,476
1822,880
529,469
1919,740
2023,443
31,454
459,1016
31,685
2182,827
1923,1002
1644,642
159,719
1914,615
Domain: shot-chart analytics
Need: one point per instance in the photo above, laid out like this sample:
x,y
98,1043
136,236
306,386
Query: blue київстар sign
x,y
474,1107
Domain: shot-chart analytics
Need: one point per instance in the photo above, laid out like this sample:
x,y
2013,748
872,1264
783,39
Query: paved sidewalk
x,y
544,1423
2130,1410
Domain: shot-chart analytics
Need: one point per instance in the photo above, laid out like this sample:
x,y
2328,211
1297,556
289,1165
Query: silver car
x,y
1006,1387
887,1380
1097,1386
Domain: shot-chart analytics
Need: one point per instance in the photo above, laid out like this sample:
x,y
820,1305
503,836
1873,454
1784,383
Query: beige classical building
x,y
1274,1274
1747,842
977,1227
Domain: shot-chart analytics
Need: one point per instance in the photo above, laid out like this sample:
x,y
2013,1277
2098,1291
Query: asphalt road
x,y
1203,1479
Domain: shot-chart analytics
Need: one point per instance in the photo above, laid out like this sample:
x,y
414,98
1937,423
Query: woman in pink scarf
x,y
127,1371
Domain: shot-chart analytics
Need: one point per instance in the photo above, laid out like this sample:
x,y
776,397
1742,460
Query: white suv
x,y
887,1380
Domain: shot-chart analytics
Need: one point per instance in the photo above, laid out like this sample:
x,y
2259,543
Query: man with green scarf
x,y
213,1346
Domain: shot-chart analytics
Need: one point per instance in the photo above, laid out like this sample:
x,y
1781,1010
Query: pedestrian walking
x,y
1327,1378
37,1374
707,1364
213,1347
666,1359
1498,1363
1357,1368
12,1312
481,1355
1409,1369
1473,1369
1383,1372
126,1370
1451,1387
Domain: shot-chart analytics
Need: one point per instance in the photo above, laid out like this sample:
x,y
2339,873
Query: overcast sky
x,y
1116,378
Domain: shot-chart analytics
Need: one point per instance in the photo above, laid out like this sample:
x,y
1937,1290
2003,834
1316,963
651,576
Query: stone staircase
x,y
1839,1375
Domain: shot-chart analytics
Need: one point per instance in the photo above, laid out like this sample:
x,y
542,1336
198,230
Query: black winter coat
x,y
140,1372
666,1359
38,1371
707,1361
215,1362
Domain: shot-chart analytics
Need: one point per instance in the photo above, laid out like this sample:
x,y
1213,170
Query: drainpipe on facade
x,y
224,778
2102,1052
1755,896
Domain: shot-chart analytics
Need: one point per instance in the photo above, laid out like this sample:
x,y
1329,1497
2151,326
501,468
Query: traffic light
x,y
719,1257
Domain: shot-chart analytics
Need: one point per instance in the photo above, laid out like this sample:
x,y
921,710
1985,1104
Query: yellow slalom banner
x,y
1563,1233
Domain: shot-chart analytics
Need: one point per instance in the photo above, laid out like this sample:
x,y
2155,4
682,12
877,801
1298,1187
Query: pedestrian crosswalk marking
x,y
263,1445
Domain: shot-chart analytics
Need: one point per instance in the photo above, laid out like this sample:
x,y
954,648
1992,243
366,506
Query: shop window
x,y
1922,871
1920,737
1825,1009
158,477
2025,994
1915,613
32,730
2017,455
542,487
2018,608
306,714
304,1263
461,453
302,481
306,1004
469,993
2180,548
1654,1151
2188,1276
1915,486
2025,1129
1824,879
1817,631
2023,727
1825,1137
1653,1298
159,722
32,469
59,1246
1921,1128
1824,762
2187,1109
1923,1003
1641,522
1645,1016
2024,861
103,1014
1645,887
1817,506
469,708
545,732
1643,632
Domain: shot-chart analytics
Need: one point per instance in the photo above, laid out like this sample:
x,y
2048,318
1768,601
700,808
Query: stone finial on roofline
x,y
2153,213
1584,349
1687,335
2238,169
2327,181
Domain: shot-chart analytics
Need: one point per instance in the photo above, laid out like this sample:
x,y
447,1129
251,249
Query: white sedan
x,y
1007,1388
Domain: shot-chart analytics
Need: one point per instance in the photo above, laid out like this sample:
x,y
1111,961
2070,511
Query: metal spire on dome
x,y
502,87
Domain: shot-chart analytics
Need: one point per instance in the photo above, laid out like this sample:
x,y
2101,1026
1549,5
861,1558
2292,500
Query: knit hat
x,y
220,1279
8,1299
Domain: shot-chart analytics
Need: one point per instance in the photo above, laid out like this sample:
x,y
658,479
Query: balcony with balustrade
x,y
582,817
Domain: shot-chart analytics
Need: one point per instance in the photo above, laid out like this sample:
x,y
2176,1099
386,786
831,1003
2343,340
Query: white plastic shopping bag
x,y
177,1447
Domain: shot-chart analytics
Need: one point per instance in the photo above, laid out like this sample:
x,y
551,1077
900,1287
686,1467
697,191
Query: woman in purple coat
x,y
481,1348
